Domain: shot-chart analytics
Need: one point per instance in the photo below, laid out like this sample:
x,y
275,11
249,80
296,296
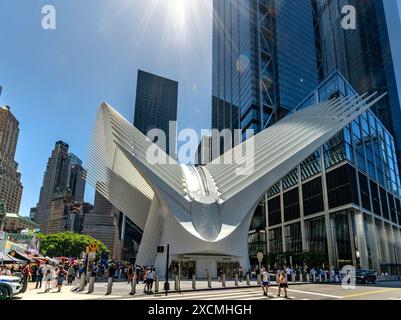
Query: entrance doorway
x,y
229,268
188,268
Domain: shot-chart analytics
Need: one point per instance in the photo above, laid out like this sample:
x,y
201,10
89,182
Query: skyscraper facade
x,y
365,55
156,105
264,59
264,64
10,179
55,182
103,225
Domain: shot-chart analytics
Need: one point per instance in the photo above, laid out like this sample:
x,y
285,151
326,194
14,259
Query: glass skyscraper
x,y
155,104
342,204
364,55
264,59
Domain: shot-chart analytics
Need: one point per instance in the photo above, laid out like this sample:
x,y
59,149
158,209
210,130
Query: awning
x,y
20,255
5,258
38,258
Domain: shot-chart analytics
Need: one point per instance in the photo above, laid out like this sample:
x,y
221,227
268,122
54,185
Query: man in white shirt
x,y
265,281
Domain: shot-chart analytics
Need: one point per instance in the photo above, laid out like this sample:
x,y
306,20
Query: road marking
x,y
370,292
316,294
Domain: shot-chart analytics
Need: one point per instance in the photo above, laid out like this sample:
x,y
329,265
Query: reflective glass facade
x,y
264,58
363,55
155,104
347,200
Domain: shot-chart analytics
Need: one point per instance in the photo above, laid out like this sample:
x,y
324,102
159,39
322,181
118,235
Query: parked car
x,y
9,287
366,276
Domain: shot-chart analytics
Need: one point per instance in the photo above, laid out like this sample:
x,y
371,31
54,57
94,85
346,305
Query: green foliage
x,y
67,244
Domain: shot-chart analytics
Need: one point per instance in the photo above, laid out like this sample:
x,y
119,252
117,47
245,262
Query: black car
x,y
366,276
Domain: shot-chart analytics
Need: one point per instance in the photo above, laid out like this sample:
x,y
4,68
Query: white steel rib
x,y
207,209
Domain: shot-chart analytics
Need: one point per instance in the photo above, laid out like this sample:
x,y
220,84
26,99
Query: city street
x,y
382,291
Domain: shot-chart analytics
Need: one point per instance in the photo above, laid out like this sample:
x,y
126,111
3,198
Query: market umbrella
x,y
5,258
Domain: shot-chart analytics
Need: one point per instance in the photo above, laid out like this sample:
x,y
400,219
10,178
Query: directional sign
x,y
93,247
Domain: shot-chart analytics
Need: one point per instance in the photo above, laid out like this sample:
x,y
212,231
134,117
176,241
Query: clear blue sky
x,y
54,81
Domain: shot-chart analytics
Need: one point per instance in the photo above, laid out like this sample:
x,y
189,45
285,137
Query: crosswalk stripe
x,y
212,295
198,294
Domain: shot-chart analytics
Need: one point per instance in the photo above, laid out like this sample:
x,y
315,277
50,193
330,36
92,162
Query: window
x,y
312,193
274,208
291,205
342,188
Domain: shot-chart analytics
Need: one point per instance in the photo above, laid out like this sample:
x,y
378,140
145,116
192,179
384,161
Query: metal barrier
x,y
157,284
258,279
223,281
194,282
109,286
133,287
82,283
176,284
91,287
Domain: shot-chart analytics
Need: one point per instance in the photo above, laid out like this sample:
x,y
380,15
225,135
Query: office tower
x,y
264,57
55,181
103,225
10,179
365,55
156,105
264,63
77,182
32,213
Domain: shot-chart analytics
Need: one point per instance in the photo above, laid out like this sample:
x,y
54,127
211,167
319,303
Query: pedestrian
x,y
265,282
150,277
70,275
27,274
48,280
61,274
130,273
39,277
283,283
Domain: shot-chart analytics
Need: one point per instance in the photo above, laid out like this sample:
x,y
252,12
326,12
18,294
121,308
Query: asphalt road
x,y
382,291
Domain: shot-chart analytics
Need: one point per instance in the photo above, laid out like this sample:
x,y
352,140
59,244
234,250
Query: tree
x,y
68,244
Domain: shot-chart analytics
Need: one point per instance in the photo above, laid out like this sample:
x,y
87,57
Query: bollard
x,y
258,279
91,285
314,278
320,277
209,280
248,280
236,280
325,277
307,277
157,284
133,287
82,283
293,277
300,277
194,282
176,283
223,282
109,286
